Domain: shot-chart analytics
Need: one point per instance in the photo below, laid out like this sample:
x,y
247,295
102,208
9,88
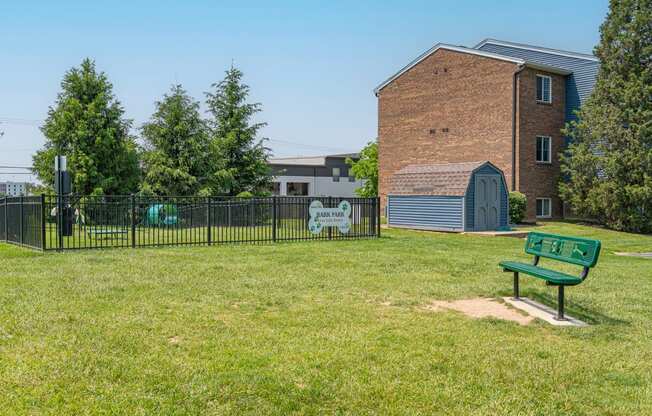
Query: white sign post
x,y
321,217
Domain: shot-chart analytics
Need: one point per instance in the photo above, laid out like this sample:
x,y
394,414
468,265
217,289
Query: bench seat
x,y
552,276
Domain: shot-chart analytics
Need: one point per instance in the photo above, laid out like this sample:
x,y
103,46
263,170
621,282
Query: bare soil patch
x,y
481,308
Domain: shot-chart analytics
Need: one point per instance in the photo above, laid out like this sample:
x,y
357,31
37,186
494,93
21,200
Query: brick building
x,y
499,101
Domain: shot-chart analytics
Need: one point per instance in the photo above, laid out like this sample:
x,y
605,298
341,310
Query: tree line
x,y
177,151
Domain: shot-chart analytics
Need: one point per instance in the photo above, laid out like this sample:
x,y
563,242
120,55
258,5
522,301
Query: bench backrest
x,y
580,251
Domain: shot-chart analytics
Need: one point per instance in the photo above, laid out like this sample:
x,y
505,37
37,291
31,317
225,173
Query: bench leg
x,y
560,303
516,294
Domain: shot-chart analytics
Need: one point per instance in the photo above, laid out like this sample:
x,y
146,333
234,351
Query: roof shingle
x,y
433,179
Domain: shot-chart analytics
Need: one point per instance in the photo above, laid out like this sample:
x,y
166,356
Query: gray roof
x,y
299,160
345,155
434,179
310,160
541,49
472,51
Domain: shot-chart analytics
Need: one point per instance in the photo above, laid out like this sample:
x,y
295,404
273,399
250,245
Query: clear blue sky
x,y
313,65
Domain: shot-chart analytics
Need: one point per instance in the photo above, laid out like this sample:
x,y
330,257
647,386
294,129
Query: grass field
x,y
318,328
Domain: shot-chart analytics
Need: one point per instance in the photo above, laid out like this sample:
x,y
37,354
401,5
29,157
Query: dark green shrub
x,y
517,206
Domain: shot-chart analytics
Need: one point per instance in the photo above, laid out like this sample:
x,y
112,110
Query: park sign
x,y
321,217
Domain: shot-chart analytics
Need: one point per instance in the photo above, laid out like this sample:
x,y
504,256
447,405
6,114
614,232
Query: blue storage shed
x,y
469,196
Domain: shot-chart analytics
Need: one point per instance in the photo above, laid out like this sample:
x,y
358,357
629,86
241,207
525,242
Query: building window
x,y
544,148
336,174
276,188
544,89
351,178
297,189
544,208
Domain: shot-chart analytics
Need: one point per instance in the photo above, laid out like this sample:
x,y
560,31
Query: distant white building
x,y
314,176
13,188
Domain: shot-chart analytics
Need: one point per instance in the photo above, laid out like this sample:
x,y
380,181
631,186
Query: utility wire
x,y
38,123
21,121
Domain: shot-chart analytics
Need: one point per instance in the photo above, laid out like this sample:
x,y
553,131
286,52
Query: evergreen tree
x,y
238,157
175,156
366,168
608,165
86,124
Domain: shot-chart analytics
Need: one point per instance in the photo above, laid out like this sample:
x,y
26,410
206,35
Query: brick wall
x,y
534,179
469,95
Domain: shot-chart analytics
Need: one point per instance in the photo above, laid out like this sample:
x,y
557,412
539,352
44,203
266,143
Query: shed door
x,y
487,202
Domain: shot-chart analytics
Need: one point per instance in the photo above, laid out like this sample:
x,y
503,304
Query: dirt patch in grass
x,y
481,308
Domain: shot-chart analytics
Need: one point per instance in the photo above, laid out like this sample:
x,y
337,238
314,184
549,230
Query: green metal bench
x,y
579,251
100,231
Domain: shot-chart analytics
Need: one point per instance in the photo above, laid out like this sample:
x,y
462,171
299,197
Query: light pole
x,y
62,188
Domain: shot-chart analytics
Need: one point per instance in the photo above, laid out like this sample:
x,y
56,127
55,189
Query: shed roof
x,y
449,179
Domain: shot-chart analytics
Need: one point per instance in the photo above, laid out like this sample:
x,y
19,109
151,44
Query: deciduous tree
x,y
366,168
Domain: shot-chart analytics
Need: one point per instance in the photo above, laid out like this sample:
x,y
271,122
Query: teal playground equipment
x,y
158,215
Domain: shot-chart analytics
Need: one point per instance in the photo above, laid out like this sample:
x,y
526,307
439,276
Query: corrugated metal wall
x,y
578,85
470,199
431,212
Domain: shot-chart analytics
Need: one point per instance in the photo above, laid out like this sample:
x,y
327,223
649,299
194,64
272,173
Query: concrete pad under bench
x,y
515,233
644,255
543,312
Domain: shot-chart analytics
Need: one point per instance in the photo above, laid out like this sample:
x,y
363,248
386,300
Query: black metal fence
x,y
50,222
21,221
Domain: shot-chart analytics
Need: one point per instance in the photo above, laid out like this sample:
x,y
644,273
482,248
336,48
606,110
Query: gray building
x,y
326,175
13,188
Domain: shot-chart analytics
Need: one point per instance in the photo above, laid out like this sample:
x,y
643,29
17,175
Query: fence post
x,y
59,221
21,218
6,225
330,229
43,237
209,220
372,215
133,221
274,218
378,216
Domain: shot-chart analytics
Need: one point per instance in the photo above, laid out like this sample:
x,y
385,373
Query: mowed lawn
x,y
318,328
